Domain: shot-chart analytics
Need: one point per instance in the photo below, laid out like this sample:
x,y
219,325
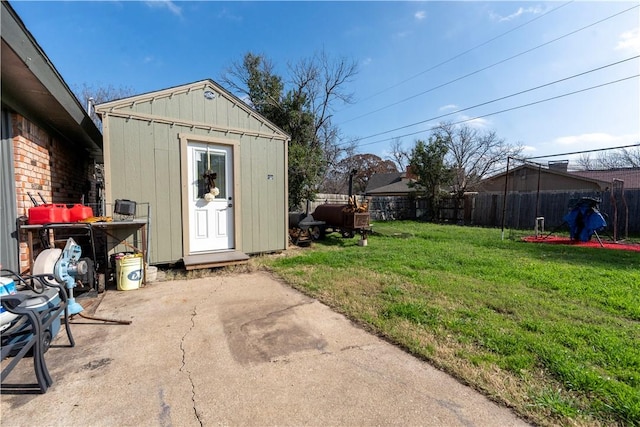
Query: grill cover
x,y
584,220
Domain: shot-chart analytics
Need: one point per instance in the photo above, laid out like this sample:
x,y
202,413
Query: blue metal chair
x,y
36,311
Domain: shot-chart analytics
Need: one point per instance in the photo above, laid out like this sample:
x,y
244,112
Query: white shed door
x,y
210,208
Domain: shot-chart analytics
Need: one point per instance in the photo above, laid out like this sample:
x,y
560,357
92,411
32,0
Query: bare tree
x,y
611,160
614,159
585,162
303,107
399,156
632,156
472,154
333,177
90,95
365,166
622,158
323,80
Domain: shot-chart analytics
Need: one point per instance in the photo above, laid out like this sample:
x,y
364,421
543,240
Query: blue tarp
x,y
584,220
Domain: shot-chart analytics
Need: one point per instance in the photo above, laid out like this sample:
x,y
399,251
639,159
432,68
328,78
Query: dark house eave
x,y
32,87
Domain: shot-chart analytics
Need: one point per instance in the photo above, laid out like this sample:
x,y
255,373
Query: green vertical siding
x,y
264,205
145,167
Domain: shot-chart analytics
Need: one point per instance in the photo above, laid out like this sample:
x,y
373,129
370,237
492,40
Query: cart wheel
x,y
101,283
317,233
348,234
46,341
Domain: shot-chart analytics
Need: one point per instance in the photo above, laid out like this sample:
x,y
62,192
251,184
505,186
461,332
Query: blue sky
x,y
417,60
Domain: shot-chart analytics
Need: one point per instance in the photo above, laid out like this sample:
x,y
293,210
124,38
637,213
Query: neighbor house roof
x,y
530,178
630,176
389,184
32,87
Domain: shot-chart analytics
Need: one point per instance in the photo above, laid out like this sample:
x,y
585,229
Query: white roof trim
x,y
149,118
110,108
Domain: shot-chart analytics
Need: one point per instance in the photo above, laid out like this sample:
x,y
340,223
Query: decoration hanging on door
x,y
209,179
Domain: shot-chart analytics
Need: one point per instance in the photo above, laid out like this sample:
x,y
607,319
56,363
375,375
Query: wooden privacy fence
x,y
385,208
553,206
321,198
380,208
485,209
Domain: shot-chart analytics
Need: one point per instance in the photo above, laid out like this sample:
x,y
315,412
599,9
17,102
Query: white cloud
x,y
586,139
228,15
366,61
630,41
448,107
420,15
596,140
529,148
521,11
173,8
475,123
582,143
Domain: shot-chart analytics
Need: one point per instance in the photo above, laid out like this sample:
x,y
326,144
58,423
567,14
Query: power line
x,y
491,66
502,169
463,53
507,109
581,152
500,99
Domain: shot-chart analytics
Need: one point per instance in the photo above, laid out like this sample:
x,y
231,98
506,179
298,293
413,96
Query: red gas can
x,y
47,213
80,212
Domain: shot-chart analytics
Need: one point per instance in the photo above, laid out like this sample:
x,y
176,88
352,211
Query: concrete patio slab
x,y
242,350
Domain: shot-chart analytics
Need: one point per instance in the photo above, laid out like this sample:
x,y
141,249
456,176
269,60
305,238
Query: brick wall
x,y
49,166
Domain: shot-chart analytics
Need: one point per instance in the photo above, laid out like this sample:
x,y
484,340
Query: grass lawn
x,y
552,331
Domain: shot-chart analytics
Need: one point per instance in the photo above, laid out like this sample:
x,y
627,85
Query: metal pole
x,y
18,235
614,204
504,201
538,193
351,174
148,232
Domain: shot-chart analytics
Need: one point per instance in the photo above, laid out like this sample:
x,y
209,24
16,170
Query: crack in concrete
x,y
184,369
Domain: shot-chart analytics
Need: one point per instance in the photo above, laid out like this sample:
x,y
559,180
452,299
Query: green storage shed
x,y
212,169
